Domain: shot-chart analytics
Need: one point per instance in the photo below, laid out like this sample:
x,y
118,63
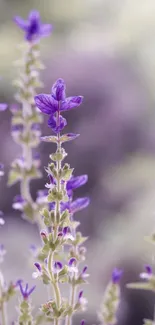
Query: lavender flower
x,y
33,27
55,103
75,182
3,106
26,292
19,202
116,275
38,271
82,301
2,221
82,322
1,169
148,274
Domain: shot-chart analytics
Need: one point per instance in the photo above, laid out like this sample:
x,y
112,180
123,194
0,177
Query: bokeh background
x,y
105,50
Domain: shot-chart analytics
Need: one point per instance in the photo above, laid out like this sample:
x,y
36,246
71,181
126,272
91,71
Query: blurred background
x,y
105,50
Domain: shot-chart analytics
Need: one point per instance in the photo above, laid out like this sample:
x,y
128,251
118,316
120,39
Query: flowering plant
x,y
60,258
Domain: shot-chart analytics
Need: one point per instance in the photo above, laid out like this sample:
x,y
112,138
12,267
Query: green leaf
x,y
68,137
49,139
148,322
140,285
13,177
150,239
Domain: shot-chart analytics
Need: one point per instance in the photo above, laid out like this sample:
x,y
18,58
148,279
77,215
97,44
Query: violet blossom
x,y
33,27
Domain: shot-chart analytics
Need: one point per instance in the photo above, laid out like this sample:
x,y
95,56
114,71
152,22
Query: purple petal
x,y
42,193
79,204
82,322
20,287
45,30
80,294
84,269
52,180
71,102
23,24
72,261
31,290
148,269
76,182
57,127
65,230
3,106
51,206
46,103
116,275
64,206
17,128
19,199
58,90
34,15
38,266
58,265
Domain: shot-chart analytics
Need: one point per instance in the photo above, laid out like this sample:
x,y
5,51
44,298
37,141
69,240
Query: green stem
x,y
3,309
53,281
72,301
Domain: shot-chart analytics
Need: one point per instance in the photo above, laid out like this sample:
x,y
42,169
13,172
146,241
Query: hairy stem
x,y
72,301
53,281
3,308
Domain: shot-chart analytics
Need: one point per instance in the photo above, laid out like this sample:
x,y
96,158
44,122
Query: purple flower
x,y
116,275
83,274
58,90
76,182
14,108
82,322
73,206
2,221
148,274
19,202
33,27
42,196
55,103
1,169
148,269
25,291
57,125
3,106
72,265
57,267
79,204
38,272
83,301
17,128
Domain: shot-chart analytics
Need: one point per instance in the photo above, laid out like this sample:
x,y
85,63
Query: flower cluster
x,y
33,27
55,104
59,217
61,258
26,118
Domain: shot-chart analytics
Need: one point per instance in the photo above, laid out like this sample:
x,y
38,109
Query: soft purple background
x,y
105,50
